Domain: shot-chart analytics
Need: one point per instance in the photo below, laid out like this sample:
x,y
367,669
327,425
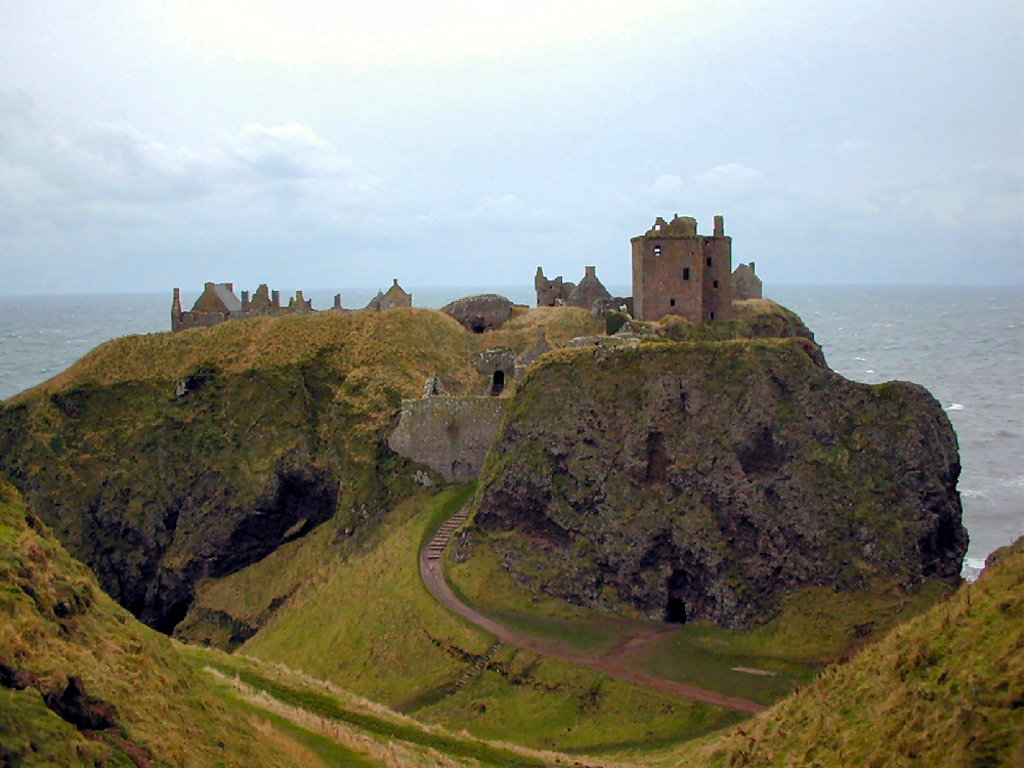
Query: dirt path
x,y
433,578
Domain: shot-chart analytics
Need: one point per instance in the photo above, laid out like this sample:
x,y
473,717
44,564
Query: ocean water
x,y
965,345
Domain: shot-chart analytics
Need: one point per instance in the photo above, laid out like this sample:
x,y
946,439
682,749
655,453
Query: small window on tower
x,y
709,261
712,315
716,283
671,302
657,250
686,273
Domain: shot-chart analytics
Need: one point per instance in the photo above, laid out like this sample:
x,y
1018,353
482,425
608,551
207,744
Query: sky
x,y
315,144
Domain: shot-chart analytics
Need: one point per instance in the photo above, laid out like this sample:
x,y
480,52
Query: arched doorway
x,y
497,383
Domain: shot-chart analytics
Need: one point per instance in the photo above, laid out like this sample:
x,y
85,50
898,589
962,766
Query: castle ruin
x,y
395,298
746,284
556,293
679,272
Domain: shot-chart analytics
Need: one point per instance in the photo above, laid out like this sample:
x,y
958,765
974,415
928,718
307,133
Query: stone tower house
x,y
678,272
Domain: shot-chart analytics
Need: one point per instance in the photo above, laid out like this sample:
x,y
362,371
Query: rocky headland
x,y
702,480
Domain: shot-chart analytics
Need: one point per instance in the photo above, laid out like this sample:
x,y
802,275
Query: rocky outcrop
x,y
480,313
703,480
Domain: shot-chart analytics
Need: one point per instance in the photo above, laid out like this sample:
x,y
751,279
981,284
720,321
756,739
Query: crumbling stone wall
x,y
585,294
746,284
395,298
451,435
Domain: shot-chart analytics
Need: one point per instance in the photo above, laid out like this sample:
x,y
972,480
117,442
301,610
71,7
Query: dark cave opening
x,y
675,611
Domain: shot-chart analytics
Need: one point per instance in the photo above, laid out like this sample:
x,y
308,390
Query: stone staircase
x,y
437,544
477,667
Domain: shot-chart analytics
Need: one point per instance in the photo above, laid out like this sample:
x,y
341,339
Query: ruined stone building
x,y
218,303
679,272
395,297
215,304
746,284
553,293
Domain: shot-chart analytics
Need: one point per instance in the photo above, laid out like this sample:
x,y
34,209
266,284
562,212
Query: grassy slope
x,y
945,689
56,623
369,625
815,626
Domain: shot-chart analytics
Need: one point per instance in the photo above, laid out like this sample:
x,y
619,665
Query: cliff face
x,y
157,491
701,480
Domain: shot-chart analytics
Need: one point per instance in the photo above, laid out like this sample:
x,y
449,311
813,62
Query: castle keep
x,y
678,272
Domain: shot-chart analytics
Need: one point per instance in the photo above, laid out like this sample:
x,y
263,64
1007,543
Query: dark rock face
x,y
703,480
480,313
177,488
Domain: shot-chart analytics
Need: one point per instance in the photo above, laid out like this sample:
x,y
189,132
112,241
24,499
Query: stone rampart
x,y
451,435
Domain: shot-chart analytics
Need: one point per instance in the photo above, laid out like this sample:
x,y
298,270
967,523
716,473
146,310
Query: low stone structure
x,y
480,313
451,435
541,346
499,364
746,284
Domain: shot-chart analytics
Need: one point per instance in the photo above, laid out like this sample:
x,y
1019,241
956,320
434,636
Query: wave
x,y
972,568
955,407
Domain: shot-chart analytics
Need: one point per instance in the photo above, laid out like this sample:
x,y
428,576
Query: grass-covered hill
x,y
82,683
166,459
945,690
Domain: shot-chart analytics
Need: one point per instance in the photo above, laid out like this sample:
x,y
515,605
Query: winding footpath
x,y
433,578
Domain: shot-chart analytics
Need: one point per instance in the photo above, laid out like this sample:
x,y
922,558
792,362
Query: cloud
x,y
720,181
289,151
853,146
505,212
105,173
731,178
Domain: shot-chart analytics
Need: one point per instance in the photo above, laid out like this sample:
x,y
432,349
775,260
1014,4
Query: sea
x,y
964,344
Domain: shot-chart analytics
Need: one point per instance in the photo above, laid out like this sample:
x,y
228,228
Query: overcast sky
x,y
315,144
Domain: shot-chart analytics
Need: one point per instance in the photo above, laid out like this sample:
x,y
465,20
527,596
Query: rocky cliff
x,y
702,480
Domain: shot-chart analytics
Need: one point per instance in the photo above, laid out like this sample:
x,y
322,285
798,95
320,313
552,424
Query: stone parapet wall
x,y
451,435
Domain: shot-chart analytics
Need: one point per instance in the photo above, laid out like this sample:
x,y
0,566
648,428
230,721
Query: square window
x,y
716,283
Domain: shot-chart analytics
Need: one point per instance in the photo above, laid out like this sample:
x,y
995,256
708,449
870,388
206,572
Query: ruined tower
x,y
678,272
